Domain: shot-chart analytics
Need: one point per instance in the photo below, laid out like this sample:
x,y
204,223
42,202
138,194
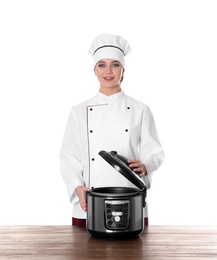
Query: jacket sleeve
x,y
70,162
151,152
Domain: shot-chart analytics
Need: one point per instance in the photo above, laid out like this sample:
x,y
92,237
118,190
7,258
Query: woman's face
x,y
109,73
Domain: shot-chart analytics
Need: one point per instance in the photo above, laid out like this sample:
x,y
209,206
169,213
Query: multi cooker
x,y
117,212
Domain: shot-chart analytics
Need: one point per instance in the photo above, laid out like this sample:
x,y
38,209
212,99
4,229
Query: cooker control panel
x,y
117,214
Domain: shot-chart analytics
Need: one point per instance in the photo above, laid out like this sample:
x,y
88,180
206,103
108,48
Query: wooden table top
x,y
70,242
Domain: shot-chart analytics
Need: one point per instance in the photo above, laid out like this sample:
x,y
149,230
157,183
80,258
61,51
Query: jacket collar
x,y
101,98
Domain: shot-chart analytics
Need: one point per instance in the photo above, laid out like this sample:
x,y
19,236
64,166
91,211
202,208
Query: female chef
x,y
110,121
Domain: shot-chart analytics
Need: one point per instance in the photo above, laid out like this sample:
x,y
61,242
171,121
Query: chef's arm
x,y
81,193
138,167
71,170
70,162
151,152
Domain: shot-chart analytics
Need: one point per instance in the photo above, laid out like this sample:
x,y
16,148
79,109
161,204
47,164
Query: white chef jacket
x,y
111,123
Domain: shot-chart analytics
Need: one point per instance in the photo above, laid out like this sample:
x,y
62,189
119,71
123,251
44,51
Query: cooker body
x,y
115,212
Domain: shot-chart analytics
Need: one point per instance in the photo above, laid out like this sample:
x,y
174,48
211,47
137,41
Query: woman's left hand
x,y
138,167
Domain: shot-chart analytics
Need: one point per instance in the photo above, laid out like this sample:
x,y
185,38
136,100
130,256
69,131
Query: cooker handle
x,y
87,192
123,159
144,198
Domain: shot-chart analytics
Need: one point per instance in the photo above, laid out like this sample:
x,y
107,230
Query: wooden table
x,y
67,242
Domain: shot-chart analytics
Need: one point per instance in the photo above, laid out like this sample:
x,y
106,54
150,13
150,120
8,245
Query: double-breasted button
x,y
126,130
91,131
93,159
91,109
128,108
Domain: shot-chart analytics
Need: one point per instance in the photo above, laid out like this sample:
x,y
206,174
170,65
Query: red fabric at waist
x,y
82,222
79,222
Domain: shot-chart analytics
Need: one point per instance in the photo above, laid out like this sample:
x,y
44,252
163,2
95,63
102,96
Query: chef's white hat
x,y
108,46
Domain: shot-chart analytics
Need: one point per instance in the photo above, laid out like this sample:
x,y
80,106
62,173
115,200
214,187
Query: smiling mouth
x,y
108,78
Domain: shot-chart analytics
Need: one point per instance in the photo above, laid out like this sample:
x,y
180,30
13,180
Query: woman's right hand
x,y
81,193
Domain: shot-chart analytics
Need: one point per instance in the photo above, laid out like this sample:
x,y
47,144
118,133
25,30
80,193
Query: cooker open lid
x,y
120,163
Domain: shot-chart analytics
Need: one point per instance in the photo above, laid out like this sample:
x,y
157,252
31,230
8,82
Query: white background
x,y
45,70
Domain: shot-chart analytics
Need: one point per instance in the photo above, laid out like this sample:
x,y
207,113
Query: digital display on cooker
x,y
117,207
